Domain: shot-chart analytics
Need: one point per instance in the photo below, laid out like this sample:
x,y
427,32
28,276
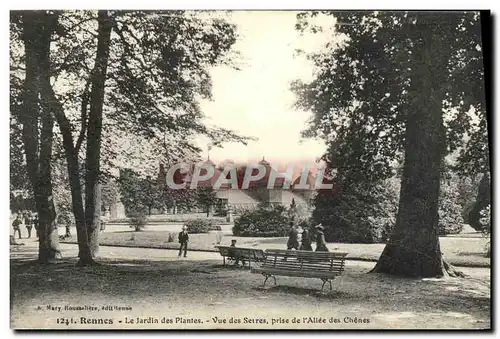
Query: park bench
x,y
306,264
247,254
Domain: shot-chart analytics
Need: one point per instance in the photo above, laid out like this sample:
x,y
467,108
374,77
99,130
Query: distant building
x,y
257,192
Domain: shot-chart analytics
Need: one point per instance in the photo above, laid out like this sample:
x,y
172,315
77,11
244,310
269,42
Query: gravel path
x,y
142,285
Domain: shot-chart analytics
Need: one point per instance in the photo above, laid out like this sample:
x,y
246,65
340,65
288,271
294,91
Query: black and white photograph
x,y
250,169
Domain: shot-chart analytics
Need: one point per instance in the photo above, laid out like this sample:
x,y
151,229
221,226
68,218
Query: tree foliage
x,y
392,84
265,221
362,213
360,95
206,197
110,74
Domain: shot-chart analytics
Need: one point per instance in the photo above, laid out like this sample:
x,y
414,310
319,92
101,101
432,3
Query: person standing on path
x,y
35,224
320,239
28,221
183,240
16,224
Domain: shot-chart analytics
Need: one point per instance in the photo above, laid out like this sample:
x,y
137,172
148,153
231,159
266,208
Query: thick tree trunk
x,y
413,249
93,155
37,30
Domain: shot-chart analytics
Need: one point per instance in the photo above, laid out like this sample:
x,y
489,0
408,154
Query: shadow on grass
x,y
317,292
280,240
477,254
197,281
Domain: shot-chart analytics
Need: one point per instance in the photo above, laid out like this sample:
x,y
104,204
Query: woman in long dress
x,y
306,241
320,239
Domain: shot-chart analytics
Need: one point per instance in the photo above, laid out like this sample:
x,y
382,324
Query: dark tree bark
x,y
37,30
94,127
414,249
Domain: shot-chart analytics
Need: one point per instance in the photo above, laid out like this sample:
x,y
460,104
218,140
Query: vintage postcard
x,y
250,170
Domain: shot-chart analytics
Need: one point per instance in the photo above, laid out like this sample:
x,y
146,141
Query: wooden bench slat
x,y
302,264
306,270
298,273
241,253
292,268
306,264
306,253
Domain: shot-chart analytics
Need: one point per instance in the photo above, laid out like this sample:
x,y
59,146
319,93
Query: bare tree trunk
x,y
37,30
93,155
413,249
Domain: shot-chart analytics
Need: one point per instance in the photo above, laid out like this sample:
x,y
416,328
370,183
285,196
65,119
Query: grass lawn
x,y
466,250
163,287
182,217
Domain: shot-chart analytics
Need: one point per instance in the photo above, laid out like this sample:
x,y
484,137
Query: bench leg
x,y
224,261
324,282
267,277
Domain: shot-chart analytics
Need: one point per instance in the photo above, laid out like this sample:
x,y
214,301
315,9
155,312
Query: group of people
x,y
305,243
30,221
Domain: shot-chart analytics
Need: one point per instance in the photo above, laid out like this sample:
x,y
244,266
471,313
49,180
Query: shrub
x,y
170,237
449,226
265,221
359,213
450,211
485,221
138,221
366,212
199,225
65,218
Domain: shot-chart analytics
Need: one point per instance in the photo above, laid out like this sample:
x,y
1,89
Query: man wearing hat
x,y
183,240
234,254
28,221
16,225
320,239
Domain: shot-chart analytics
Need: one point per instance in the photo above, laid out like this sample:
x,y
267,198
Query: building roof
x,y
209,162
264,162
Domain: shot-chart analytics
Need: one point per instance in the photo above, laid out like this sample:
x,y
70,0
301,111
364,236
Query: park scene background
x,y
90,147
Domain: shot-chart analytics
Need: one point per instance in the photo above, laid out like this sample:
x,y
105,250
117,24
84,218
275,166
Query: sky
x,y
257,101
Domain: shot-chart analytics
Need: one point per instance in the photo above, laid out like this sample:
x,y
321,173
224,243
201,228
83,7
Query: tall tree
x,y
206,197
94,132
145,79
395,84
37,29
